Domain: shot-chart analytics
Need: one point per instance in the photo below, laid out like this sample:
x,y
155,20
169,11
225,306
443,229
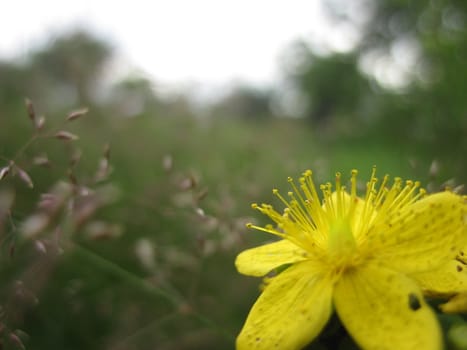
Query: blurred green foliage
x,y
425,113
151,264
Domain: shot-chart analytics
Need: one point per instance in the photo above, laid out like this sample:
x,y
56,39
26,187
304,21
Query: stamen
x,y
353,193
312,202
353,181
314,224
382,191
339,195
368,204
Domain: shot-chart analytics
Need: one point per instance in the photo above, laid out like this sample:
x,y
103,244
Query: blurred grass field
x,y
161,273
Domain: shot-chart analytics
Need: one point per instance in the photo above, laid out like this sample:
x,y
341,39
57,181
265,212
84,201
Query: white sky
x,y
203,41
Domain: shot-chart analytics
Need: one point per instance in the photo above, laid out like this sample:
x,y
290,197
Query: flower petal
x,y
423,235
383,309
291,311
457,304
449,279
261,260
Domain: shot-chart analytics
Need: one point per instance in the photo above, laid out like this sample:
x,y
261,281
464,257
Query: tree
x,y
74,61
244,102
333,85
421,43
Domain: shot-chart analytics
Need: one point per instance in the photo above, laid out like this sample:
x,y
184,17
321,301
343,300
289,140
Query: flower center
x,y
341,240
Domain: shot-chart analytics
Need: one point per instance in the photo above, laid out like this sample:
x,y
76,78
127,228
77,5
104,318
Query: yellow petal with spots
x,y
421,236
290,312
383,309
261,260
447,280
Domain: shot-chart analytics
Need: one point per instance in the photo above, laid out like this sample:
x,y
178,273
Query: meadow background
x,y
125,238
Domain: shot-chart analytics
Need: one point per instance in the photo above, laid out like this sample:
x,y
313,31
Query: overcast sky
x,y
202,41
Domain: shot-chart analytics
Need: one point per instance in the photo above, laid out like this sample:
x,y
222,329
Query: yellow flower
x,y
359,256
